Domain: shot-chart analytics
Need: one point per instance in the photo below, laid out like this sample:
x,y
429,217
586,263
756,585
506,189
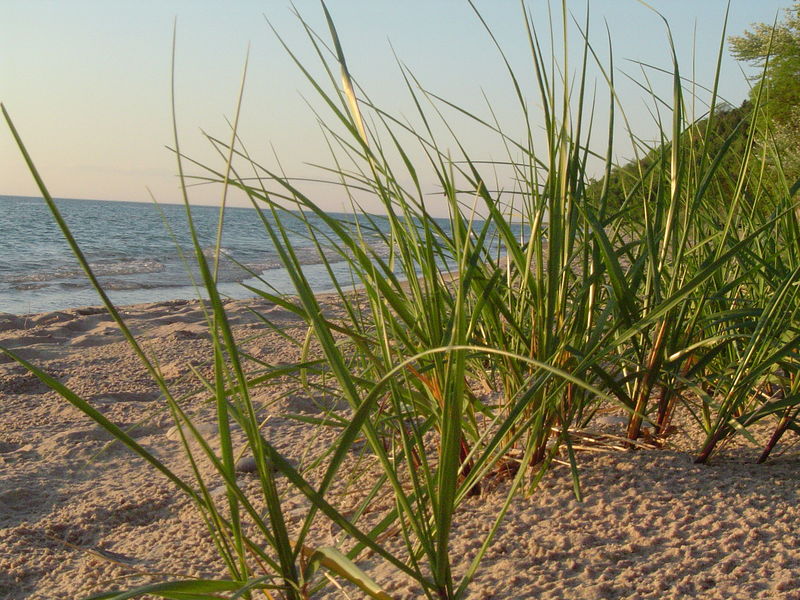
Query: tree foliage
x,y
776,49
723,133
776,46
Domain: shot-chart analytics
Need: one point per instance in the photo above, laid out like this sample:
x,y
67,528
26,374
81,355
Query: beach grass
x,y
474,351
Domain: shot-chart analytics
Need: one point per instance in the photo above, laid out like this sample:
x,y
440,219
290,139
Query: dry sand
x,y
79,515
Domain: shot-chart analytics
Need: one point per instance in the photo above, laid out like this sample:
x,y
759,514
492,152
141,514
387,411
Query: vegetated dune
x,y
79,515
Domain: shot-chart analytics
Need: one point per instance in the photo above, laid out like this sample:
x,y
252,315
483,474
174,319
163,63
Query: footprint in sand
x,y
21,383
8,447
20,500
51,318
9,321
98,336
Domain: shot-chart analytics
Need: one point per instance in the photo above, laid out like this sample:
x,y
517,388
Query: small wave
x,y
29,286
31,277
127,267
311,256
102,268
211,251
121,285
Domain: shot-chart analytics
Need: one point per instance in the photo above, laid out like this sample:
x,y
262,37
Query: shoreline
x,y
77,513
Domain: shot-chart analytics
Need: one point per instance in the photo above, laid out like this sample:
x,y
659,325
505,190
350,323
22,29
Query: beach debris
x,y
610,421
108,555
246,464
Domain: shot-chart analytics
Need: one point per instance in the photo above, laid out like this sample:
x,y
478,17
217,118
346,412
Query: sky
x,y
87,82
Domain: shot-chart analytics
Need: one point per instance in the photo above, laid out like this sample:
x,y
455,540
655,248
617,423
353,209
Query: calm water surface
x,y
135,250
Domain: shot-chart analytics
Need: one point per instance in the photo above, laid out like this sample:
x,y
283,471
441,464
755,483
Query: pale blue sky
x,y
87,81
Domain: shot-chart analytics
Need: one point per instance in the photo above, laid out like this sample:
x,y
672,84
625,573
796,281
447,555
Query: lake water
x,y
135,250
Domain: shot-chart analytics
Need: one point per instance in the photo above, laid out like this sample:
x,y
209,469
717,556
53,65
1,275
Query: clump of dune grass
x,y
476,346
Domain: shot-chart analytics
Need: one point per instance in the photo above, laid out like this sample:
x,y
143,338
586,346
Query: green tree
x,y
780,44
777,47
787,141
636,182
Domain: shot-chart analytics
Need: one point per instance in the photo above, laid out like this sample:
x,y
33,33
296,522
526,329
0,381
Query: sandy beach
x,y
79,515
